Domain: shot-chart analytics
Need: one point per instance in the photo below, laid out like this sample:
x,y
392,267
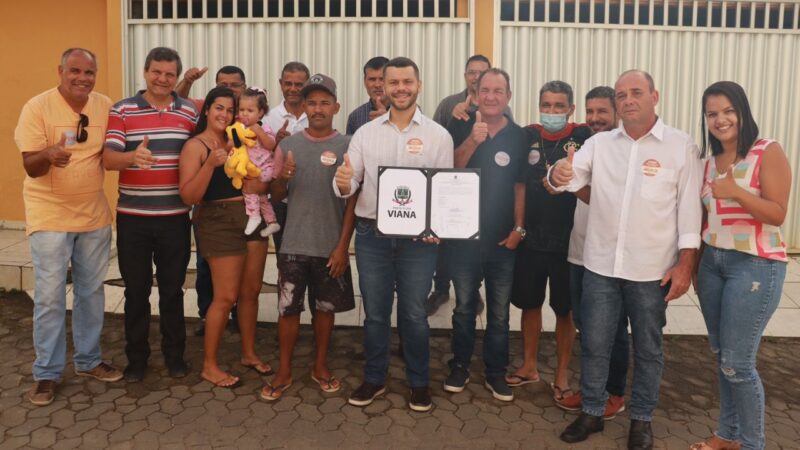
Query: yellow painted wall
x,y
484,28
33,33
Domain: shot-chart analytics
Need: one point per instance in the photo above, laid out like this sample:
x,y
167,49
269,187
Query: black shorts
x,y
296,272
531,273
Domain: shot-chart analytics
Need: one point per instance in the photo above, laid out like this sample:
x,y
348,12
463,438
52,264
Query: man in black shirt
x,y
548,222
493,143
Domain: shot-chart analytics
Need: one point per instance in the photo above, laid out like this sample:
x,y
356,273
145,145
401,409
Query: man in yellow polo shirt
x,y
60,134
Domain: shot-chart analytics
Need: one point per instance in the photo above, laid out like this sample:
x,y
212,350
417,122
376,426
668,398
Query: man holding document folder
x,y
402,137
492,142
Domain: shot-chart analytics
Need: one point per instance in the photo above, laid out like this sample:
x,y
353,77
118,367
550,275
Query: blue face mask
x,y
553,122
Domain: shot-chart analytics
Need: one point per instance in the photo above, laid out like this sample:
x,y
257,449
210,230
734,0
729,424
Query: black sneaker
x,y
177,368
365,394
420,400
457,380
134,373
499,388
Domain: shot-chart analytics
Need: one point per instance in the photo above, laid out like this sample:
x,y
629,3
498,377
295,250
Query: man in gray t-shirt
x,y
316,238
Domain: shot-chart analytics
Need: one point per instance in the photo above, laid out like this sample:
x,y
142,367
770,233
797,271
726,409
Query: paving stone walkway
x,y
188,413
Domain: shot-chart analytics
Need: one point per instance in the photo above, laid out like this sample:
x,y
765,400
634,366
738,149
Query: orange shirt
x,y
69,199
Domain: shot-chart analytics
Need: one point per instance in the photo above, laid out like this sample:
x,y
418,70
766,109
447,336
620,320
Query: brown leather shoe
x,y
103,372
42,392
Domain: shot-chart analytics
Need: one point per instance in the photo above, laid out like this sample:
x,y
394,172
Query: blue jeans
x,y
470,263
52,252
618,367
441,279
738,295
604,299
384,263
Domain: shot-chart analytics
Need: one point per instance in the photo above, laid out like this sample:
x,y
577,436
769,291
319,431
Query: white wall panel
x,y
336,48
683,63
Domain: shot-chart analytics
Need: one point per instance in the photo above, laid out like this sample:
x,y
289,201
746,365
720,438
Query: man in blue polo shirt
x,y
492,142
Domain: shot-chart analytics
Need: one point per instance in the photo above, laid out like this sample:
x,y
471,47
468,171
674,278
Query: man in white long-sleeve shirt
x,y
641,243
402,137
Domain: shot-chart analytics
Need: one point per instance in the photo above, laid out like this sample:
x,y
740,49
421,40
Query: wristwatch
x,y
521,231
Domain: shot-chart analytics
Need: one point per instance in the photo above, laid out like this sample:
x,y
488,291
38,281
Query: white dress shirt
x,y
645,202
577,237
278,115
423,143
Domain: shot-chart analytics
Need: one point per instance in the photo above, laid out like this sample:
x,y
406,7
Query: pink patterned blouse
x,y
729,226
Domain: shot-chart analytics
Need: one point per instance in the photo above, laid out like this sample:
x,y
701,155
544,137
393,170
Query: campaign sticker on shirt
x,y
328,158
502,159
651,167
414,146
533,157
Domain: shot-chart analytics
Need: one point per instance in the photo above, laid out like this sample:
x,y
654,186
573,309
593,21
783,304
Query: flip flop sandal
x,y
263,373
224,382
271,393
522,380
560,394
328,385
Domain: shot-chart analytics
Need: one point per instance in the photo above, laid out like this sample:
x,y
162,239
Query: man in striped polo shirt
x,y
144,139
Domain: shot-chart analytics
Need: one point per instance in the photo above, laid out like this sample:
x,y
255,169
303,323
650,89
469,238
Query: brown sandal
x,y
716,443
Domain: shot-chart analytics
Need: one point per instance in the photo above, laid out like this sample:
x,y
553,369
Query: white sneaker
x,y
252,224
271,229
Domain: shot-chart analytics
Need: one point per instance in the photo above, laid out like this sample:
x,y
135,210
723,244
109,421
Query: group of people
x,y
617,216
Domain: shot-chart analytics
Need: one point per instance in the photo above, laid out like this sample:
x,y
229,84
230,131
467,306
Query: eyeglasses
x,y
82,134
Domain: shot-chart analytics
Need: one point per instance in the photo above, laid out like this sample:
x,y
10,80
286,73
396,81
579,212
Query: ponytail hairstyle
x,y
260,95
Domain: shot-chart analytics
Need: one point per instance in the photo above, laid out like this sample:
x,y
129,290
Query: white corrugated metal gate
x,y
686,45
335,37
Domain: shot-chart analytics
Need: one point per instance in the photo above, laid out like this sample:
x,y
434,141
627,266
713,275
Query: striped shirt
x,y
359,117
154,191
729,225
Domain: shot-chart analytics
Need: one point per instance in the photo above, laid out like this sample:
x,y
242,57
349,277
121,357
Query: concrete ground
x,y
188,413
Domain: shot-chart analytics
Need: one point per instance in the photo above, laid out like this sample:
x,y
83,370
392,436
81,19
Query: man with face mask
x,y
548,222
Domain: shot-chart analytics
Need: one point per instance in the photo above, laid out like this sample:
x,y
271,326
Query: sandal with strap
x,y
329,385
227,382
271,393
515,380
559,393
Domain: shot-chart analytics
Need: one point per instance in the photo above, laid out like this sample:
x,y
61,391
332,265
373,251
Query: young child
x,y
252,107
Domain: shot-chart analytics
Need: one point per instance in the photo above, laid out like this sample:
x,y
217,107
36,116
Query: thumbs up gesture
x,y
461,110
562,172
142,156
289,167
480,130
194,74
57,154
344,174
282,133
725,187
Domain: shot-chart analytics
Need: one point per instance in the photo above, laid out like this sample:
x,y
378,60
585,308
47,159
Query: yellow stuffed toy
x,y
238,164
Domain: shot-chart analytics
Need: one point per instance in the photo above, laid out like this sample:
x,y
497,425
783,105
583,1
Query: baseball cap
x,y
319,81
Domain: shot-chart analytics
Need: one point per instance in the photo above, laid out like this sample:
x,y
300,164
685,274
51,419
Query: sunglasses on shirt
x,y
82,134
